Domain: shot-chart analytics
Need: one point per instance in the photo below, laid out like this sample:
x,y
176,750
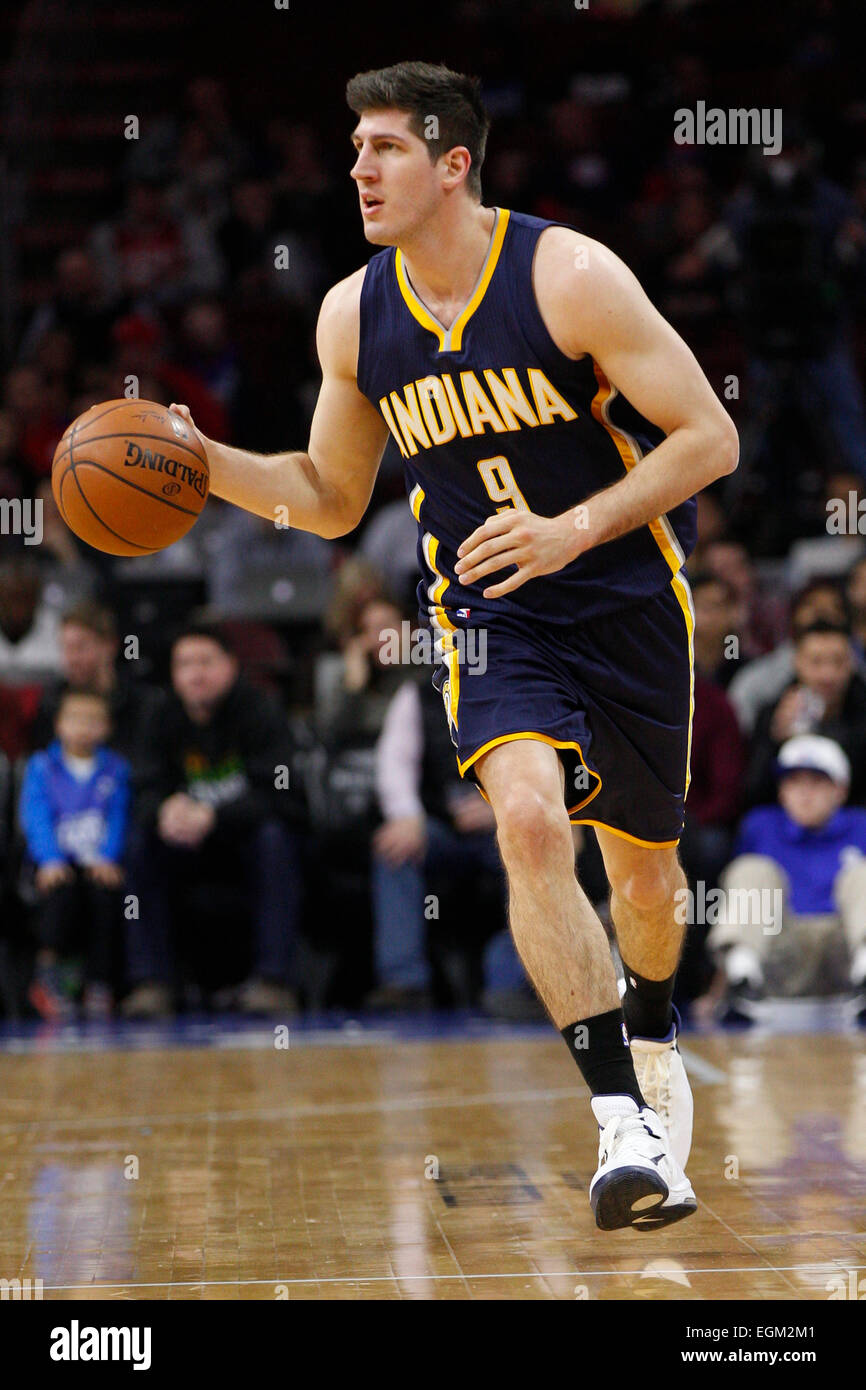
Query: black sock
x,y
647,1005
600,1048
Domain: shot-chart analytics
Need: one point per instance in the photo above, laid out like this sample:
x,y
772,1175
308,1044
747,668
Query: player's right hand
x,y
184,412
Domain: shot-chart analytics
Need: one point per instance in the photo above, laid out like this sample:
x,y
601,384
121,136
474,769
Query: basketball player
x,y
554,430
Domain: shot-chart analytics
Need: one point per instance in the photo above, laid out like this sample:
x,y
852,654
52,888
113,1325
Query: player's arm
x,y
593,304
327,488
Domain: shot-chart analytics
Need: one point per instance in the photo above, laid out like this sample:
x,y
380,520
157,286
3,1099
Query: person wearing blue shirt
x,y
793,916
73,812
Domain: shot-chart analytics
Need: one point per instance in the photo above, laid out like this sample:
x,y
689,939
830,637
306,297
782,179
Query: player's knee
x,y
531,824
650,886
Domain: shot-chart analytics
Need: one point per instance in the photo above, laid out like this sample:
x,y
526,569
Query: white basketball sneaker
x,y
639,1182
665,1087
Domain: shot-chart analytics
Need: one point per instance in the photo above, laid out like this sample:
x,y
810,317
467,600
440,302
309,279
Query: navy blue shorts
x,y
615,696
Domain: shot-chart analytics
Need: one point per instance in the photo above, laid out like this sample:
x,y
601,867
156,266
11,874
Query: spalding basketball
x,y
129,477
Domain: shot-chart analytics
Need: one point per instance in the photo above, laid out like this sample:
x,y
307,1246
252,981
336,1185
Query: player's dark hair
x,y
425,90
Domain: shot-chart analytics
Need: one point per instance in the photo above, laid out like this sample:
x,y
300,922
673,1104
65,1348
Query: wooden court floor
x,y
392,1169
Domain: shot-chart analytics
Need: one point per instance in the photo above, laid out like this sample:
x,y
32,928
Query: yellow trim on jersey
x,y
416,497
451,339
443,625
452,684
684,597
499,230
436,590
632,839
414,304
462,768
630,452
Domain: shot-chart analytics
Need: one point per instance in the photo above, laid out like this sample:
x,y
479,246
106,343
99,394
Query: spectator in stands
x,y
29,647
208,107
73,810
89,652
357,584
436,829
351,701
76,306
299,173
352,691
764,679
247,236
718,761
39,411
198,198
798,245
390,542
763,614
215,797
67,573
13,469
711,528
249,239
794,915
855,592
16,720
206,352
717,641
140,256
142,350
579,176
163,147
691,290
827,696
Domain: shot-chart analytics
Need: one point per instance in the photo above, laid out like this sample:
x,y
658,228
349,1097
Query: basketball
x,y
129,477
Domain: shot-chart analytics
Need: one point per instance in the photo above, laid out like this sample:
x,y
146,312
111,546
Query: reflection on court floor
x,y
450,1159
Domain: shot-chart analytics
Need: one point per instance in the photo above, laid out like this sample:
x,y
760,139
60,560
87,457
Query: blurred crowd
x,y
152,854
191,834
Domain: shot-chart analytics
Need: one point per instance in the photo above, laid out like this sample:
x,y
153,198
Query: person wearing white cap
x,y
792,916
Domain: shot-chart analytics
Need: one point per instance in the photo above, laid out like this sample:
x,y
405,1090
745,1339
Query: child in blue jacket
x,y
794,915
73,811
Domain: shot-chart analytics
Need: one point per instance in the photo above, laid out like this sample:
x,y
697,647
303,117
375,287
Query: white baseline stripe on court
x,y
828,1267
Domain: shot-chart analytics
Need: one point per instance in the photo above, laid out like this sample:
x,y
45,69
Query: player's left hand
x,y
535,544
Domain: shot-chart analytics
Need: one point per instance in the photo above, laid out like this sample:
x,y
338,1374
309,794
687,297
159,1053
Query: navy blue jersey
x,y
490,414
